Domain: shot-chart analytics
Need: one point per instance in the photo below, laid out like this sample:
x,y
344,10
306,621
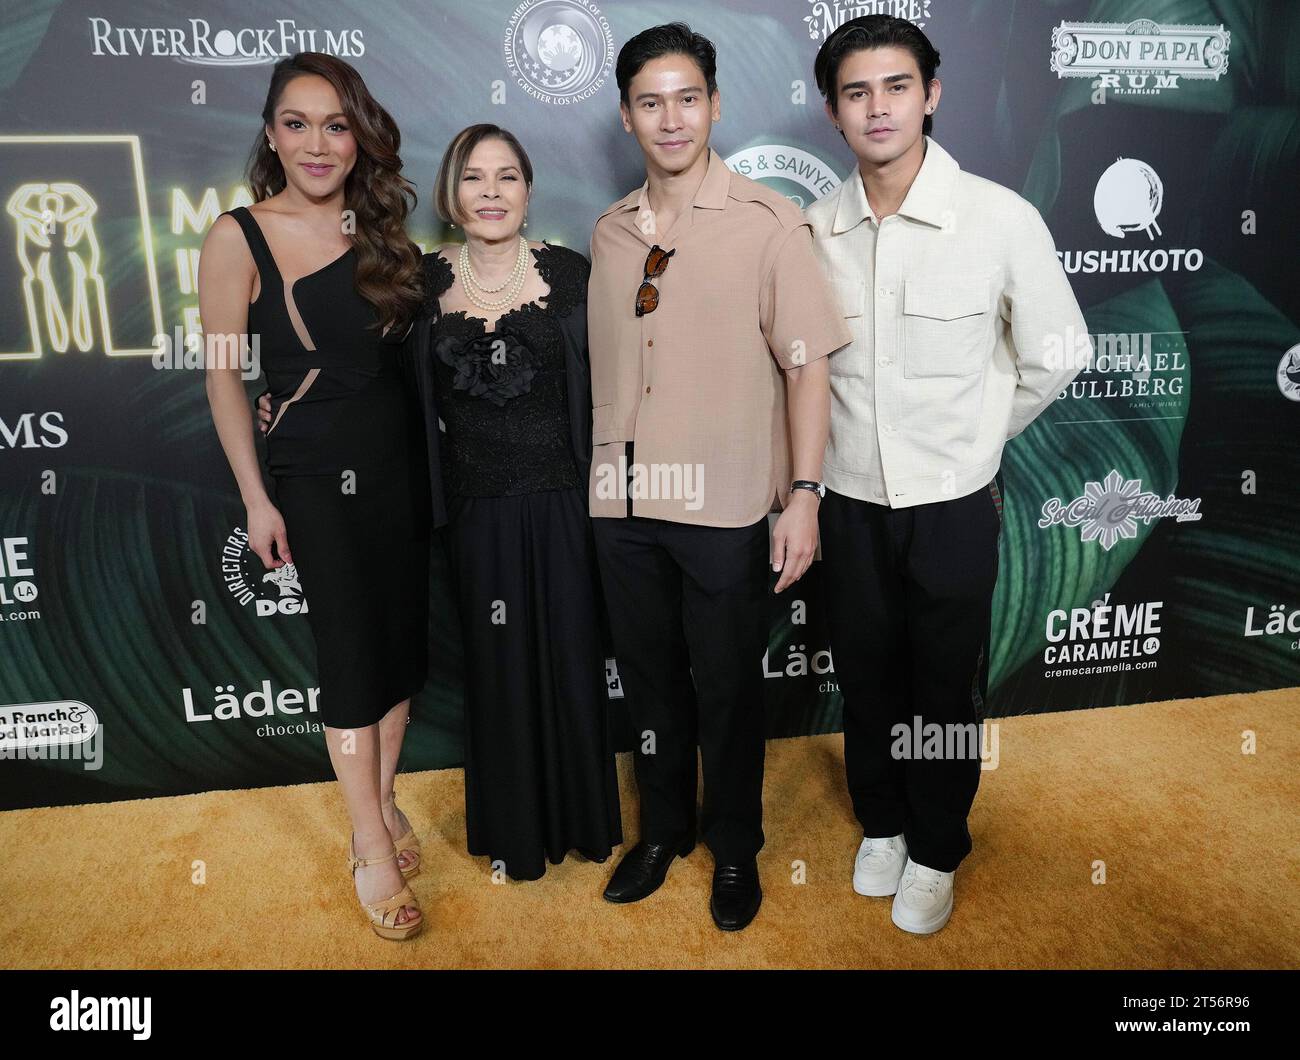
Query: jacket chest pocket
x,y
850,295
946,327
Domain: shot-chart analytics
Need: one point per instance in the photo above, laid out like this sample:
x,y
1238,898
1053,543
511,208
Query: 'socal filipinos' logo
x,y
798,175
1105,632
1140,57
40,729
1288,373
1128,199
276,592
243,46
33,430
16,587
1110,510
559,51
829,15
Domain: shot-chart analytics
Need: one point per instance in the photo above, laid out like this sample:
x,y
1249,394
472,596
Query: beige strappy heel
x,y
409,844
383,914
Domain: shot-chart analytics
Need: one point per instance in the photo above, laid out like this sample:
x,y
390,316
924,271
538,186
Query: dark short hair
x,y
873,31
675,38
446,186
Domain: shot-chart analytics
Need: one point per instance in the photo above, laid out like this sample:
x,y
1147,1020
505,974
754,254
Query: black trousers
x,y
687,600
909,600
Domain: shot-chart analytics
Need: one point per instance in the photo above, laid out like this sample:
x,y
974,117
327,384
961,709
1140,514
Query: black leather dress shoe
x,y
643,869
736,895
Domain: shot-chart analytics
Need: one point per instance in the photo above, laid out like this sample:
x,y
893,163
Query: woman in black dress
x,y
321,271
502,360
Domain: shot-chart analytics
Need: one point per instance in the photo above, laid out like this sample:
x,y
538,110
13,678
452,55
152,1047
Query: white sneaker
x,y
879,864
923,903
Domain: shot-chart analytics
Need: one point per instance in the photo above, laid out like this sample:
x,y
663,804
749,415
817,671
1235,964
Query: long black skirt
x,y
540,776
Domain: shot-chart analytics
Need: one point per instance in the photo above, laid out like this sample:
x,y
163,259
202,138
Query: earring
x,y
270,145
525,220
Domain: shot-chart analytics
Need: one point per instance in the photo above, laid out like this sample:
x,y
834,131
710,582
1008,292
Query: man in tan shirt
x,y
709,324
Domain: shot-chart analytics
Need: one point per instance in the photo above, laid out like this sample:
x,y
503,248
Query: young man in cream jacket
x,y
965,329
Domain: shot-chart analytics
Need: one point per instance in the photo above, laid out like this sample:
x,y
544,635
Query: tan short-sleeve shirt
x,y
697,384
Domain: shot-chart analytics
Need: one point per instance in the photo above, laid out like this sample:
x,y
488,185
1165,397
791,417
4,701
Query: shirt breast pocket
x,y
850,295
947,327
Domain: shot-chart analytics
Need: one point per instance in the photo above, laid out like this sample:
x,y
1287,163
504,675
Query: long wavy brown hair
x,y
389,274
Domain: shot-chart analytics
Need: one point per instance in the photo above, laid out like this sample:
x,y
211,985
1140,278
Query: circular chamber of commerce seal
x,y
559,51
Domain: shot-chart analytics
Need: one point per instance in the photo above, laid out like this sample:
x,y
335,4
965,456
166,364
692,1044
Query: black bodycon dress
x,y
345,450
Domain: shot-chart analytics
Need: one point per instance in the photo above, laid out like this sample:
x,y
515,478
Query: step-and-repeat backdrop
x,y
143,650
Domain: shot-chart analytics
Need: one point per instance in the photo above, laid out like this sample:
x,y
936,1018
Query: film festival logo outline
x,y
201,47
829,15
1129,197
276,592
1110,510
1138,51
559,51
66,210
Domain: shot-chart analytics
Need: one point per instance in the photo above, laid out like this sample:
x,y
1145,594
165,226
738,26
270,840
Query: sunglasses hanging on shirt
x,y
647,295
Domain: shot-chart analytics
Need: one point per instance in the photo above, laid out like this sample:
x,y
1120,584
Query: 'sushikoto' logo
x,y
1128,198
1111,510
1141,57
559,51
798,175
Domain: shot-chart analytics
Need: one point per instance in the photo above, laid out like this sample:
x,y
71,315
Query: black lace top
x,y
501,393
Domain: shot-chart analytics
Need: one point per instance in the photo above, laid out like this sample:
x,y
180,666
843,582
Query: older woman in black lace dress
x,y
502,361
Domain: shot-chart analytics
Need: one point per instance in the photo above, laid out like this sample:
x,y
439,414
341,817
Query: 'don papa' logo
x,y
559,51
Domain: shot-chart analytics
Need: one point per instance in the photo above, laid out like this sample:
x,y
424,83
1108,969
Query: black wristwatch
x,y
818,488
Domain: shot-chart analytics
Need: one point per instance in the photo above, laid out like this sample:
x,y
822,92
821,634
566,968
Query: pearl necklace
x,y
513,284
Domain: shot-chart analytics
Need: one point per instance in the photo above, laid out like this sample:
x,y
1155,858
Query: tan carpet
x,y
1201,846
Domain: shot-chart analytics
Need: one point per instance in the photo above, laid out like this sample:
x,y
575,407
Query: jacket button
x,y
647,390
649,342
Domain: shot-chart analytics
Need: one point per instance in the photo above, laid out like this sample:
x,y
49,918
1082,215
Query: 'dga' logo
x,y
276,592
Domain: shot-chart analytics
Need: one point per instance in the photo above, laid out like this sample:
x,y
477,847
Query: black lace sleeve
x,y
438,277
565,272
